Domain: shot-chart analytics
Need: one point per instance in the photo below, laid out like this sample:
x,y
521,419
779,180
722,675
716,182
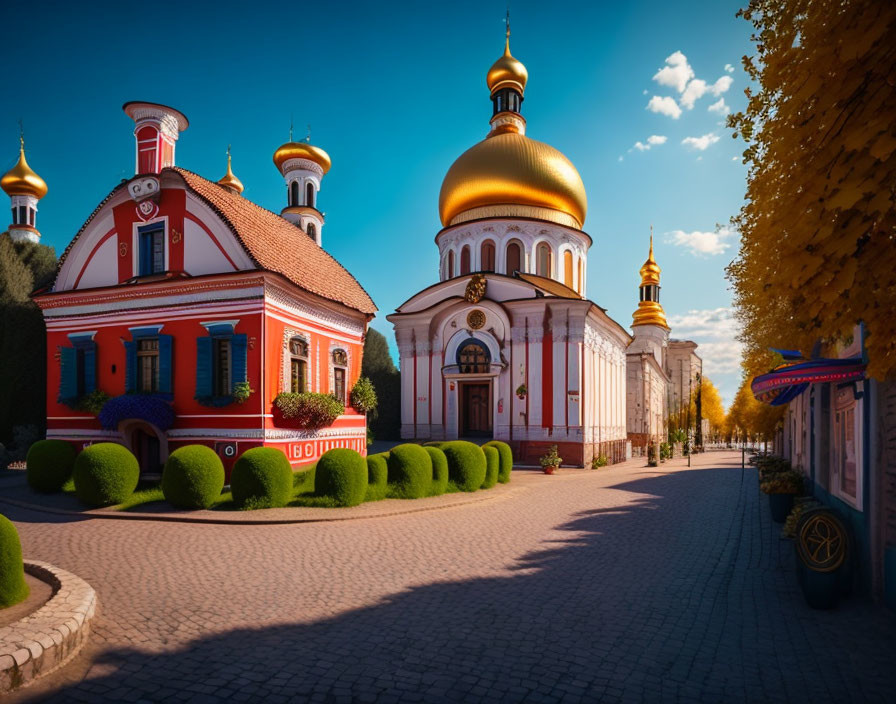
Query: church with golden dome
x,y
507,345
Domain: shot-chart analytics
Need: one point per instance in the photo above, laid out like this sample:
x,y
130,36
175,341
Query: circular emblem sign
x,y
475,319
822,541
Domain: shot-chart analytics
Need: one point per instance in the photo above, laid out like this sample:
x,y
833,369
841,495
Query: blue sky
x,y
394,93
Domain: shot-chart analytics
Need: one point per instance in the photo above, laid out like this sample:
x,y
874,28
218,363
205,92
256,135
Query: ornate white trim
x,y
319,315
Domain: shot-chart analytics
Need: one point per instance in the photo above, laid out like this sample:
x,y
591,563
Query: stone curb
x,y
51,636
474,498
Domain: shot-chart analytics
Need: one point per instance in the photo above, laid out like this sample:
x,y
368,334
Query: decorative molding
x,y
319,314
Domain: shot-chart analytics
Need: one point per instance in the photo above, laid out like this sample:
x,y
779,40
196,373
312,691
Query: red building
x,y
197,307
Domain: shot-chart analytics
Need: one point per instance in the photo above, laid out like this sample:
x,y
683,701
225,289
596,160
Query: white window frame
x,y
842,400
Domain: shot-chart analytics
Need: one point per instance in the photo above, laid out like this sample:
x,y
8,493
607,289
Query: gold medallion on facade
x,y
822,542
475,319
475,289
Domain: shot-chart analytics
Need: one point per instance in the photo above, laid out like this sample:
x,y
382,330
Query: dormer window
x,y
152,249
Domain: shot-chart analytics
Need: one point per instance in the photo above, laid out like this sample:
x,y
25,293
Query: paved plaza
x,y
624,583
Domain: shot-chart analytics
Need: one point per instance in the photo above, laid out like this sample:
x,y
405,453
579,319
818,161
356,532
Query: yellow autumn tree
x,y
748,418
712,408
818,229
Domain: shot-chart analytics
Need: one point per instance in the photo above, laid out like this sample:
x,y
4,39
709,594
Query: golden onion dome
x,y
509,175
507,72
20,180
302,150
230,181
650,270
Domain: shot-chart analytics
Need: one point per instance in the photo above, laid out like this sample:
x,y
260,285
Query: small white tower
x,y
649,327
24,188
156,131
303,167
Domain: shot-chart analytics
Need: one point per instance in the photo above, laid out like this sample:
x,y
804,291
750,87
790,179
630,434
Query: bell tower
x,y
303,167
24,188
649,326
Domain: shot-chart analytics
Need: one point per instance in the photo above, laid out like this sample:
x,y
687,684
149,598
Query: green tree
x,y
24,267
377,365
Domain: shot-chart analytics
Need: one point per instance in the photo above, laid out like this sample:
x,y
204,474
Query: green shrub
x,y
105,473
466,464
377,476
363,396
193,477
13,587
49,464
492,467
505,455
309,410
342,476
261,478
303,479
439,471
410,471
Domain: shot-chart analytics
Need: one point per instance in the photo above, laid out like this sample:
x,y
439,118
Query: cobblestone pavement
x,y
622,584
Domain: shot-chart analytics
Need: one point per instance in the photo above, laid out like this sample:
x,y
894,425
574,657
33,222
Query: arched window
x,y
298,365
581,276
340,371
567,268
543,260
312,231
309,194
514,258
450,264
487,256
465,260
294,193
473,357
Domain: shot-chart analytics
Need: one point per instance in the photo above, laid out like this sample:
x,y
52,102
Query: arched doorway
x,y
474,359
149,445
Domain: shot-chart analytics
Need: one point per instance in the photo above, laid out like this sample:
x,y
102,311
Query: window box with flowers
x,y
306,410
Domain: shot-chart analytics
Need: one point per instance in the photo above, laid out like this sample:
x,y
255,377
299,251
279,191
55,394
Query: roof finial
x,y
308,136
507,31
21,135
651,241
290,127
228,158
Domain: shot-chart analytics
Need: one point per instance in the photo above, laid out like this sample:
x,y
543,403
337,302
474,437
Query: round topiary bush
x,y
49,464
377,476
261,478
439,471
466,464
105,474
506,459
342,476
492,465
13,588
193,477
410,471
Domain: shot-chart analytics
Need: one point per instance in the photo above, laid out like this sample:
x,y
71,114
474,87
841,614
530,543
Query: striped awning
x,y
787,381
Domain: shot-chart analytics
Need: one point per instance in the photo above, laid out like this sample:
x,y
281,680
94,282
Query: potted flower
x,y
781,487
651,455
550,462
521,392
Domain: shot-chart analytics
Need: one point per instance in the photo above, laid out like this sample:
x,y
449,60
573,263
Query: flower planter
x,y
781,506
550,469
820,589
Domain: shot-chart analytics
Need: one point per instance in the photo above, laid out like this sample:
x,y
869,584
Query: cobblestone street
x,y
624,583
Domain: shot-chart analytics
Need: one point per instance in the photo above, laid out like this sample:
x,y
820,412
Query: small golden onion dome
x,y
507,72
230,181
650,271
508,174
302,150
20,180
650,313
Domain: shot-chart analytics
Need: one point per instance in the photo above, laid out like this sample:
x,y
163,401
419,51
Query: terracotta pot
x,y
550,469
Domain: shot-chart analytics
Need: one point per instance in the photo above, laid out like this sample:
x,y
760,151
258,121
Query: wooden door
x,y
477,412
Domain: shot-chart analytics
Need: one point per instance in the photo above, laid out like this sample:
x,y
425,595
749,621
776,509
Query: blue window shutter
x,y
130,366
144,263
68,379
165,364
238,358
89,368
203,366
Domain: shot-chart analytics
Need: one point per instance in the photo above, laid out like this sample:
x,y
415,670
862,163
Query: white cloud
x,y
735,158
701,143
644,92
676,73
652,141
721,86
620,158
729,68
702,244
714,330
664,106
693,92
720,107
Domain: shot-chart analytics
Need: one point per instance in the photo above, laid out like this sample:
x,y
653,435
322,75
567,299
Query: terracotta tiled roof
x,y
277,245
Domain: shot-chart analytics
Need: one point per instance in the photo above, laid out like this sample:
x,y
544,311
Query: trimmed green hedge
x,y
13,587
492,464
303,478
49,464
439,471
410,471
341,475
377,476
466,464
105,474
506,459
261,478
193,477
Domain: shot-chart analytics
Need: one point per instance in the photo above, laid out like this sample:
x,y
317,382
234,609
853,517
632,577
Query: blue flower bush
x,y
152,409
